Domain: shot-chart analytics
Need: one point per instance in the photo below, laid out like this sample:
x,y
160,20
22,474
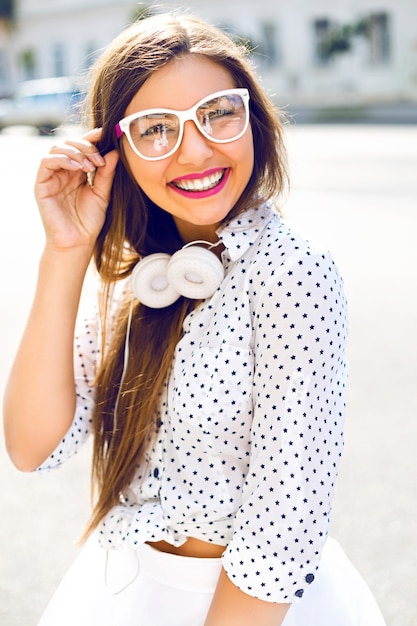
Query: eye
x,y
219,113
156,129
153,127
220,108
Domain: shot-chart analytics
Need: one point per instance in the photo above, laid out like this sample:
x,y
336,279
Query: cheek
x,y
146,174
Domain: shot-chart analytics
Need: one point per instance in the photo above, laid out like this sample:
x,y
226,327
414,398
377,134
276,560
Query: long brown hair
x,y
135,227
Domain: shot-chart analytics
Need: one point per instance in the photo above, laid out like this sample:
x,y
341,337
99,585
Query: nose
x,y
194,147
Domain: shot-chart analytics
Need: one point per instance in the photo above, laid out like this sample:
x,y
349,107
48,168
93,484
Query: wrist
x,y
61,275
75,258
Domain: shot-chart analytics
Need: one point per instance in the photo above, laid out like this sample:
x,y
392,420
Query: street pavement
x,y
354,188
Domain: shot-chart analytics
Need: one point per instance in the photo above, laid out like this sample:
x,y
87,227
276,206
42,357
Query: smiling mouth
x,y
199,184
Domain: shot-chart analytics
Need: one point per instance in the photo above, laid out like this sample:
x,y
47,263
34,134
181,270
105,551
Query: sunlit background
x,y
322,59
345,71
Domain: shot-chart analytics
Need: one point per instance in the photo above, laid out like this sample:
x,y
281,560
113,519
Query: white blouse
x,y
251,419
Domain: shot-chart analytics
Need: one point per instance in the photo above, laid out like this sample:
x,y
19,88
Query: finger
x,y
54,163
80,150
104,176
93,135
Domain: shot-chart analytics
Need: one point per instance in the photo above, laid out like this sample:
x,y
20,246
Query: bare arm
x,y
232,607
39,401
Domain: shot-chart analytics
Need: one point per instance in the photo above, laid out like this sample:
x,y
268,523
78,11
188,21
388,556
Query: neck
x,y
192,232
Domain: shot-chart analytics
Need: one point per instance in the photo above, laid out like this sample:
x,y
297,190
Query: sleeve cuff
x,y
267,576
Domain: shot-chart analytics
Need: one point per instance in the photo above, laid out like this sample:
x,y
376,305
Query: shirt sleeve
x,y
86,355
297,434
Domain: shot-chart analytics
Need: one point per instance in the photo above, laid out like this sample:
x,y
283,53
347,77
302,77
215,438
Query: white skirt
x,y
145,587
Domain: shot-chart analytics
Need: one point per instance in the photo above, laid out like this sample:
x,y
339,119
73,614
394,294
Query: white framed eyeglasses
x,y
155,134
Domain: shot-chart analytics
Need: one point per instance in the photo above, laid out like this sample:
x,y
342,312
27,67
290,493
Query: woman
x,y
214,380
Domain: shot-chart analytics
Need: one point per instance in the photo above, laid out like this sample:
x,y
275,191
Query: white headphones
x,y
159,279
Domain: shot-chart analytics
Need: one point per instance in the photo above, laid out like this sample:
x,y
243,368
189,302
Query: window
x,y
3,67
269,48
58,60
321,33
4,75
28,64
379,38
91,53
6,9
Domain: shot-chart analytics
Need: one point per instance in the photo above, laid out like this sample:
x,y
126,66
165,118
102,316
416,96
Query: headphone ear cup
x,y
195,272
150,283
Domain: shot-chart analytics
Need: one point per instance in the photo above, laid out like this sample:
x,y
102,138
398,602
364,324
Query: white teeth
x,y
200,184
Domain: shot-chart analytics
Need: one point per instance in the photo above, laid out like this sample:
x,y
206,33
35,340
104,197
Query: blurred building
x,y
46,38
327,52
334,52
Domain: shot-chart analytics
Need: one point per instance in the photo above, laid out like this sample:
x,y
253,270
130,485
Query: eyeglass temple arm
x,y
118,131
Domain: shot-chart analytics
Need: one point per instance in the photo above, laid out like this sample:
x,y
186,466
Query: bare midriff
x,y
192,547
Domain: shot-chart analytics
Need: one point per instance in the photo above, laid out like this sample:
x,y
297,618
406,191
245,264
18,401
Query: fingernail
x,y
88,165
76,164
97,159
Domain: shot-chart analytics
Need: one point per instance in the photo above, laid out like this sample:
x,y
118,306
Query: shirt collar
x,y
242,231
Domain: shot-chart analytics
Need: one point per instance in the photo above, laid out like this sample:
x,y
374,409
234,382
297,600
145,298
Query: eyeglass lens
x,y
220,119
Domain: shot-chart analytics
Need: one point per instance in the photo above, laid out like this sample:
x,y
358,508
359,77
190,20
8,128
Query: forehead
x,y
181,83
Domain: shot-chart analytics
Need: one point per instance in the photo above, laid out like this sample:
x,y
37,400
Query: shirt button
x,y
156,472
299,593
309,578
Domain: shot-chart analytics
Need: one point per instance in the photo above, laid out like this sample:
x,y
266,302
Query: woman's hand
x,y
72,209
